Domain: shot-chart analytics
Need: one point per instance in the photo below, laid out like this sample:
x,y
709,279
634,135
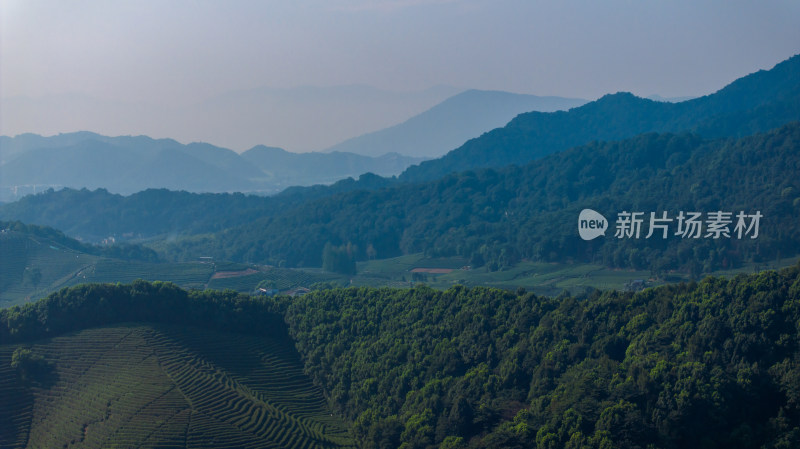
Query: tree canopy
x,y
708,364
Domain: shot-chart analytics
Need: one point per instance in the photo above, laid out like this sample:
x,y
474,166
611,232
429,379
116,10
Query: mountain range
x,y
492,217
127,164
501,216
755,103
130,164
238,119
710,363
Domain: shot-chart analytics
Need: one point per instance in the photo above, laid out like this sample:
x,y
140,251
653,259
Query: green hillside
x,y
184,370
714,364
38,260
149,213
31,266
709,364
161,213
498,218
164,386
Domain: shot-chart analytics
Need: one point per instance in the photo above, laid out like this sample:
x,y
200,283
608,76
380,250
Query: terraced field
x,y
165,386
187,275
282,278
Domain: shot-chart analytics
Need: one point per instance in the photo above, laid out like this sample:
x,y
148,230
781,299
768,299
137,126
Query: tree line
x,y
91,305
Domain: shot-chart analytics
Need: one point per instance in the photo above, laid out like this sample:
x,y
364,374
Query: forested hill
x,y
754,103
92,305
151,365
711,364
714,364
499,217
95,215
98,214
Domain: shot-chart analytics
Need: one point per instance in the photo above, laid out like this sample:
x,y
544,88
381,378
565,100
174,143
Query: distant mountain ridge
x,y
452,122
288,168
755,103
129,164
237,119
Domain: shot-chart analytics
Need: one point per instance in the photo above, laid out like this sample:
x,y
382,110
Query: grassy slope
x,y
57,265
60,267
63,267
143,385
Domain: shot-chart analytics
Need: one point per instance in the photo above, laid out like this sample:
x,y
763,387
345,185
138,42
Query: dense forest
x,y
708,364
499,217
754,103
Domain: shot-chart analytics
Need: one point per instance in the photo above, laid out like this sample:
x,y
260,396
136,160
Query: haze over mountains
x,y
764,100
452,122
130,164
303,118
754,103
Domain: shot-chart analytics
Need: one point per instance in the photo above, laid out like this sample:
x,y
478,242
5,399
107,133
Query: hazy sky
x,y
176,53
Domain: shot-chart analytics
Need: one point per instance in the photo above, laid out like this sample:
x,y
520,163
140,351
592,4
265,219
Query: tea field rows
x,y
141,385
